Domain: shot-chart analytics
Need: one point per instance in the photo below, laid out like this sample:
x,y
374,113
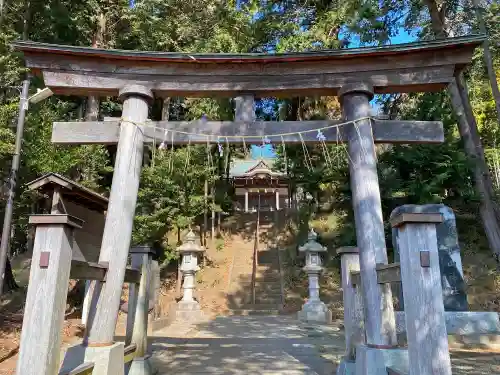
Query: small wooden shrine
x,y
257,185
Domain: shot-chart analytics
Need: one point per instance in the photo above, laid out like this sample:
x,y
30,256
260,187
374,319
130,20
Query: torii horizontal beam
x,y
384,131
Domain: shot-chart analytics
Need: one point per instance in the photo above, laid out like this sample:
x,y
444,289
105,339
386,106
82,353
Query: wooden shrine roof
x,y
410,67
70,190
247,168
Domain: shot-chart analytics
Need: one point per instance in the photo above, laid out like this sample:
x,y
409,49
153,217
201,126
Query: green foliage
x,y
171,193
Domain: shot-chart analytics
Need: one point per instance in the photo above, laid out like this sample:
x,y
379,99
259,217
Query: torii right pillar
x,y
377,298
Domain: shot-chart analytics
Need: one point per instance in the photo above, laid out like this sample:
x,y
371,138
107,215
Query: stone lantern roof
x,y
312,245
190,245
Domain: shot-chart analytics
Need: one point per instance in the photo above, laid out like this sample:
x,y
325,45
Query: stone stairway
x,y
267,288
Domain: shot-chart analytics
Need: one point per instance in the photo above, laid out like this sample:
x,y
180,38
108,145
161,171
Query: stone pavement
x,y
271,345
248,345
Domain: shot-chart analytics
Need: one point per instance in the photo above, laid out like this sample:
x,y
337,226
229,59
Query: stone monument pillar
x,y
314,309
450,261
188,308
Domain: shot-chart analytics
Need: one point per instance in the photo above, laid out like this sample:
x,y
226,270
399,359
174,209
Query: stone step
x,y
268,274
268,287
259,299
257,309
268,278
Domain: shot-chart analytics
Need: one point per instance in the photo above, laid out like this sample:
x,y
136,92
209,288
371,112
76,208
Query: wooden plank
x,y
84,369
129,353
384,131
370,238
68,82
356,278
388,273
81,270
392,371
424,309
405,218
56,219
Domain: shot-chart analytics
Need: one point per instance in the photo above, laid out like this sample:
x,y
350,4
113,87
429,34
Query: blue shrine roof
x,y
242,167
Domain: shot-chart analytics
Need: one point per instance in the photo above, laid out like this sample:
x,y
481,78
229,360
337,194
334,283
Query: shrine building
x,y
254,180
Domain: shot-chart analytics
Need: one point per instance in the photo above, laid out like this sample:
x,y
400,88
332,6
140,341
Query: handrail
x,y
255,250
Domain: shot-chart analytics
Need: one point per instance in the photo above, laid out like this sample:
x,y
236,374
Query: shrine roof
x,y
245,167
411,67
69,189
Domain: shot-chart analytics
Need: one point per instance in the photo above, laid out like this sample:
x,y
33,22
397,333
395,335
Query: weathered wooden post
x,y
424,309
47,292
314,309
188,308
377,298
353,308
139,311
120,215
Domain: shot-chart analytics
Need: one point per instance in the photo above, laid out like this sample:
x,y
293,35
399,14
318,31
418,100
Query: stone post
x,y
425,320
277,200
120,215
142,255
188,308
47,292
377,298
314,309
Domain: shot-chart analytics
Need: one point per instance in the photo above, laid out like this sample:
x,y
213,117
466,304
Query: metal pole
x,y
7,221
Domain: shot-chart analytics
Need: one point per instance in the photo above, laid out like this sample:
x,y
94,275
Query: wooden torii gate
x,y
352,74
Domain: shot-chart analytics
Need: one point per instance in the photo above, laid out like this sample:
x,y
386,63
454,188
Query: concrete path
x,y
248,345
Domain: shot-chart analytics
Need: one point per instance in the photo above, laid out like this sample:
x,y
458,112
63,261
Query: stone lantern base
x,y
188,311
315,311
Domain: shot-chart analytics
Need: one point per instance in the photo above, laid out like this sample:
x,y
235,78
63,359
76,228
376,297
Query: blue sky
x,y
267,151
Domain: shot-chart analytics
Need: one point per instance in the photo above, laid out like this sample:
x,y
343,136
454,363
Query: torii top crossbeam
x,y
423,66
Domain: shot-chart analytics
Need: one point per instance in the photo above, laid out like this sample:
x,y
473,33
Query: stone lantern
x,y
314,309
188,308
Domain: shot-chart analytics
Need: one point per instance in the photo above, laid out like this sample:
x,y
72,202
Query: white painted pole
x,y
379,310
120,216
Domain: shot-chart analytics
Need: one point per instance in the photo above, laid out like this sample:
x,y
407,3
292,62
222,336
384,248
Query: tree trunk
x,y
10,281
486,209
488,60
92,111
472,143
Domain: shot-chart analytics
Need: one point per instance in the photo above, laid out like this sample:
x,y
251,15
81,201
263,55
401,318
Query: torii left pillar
x,y
377,298
120,216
